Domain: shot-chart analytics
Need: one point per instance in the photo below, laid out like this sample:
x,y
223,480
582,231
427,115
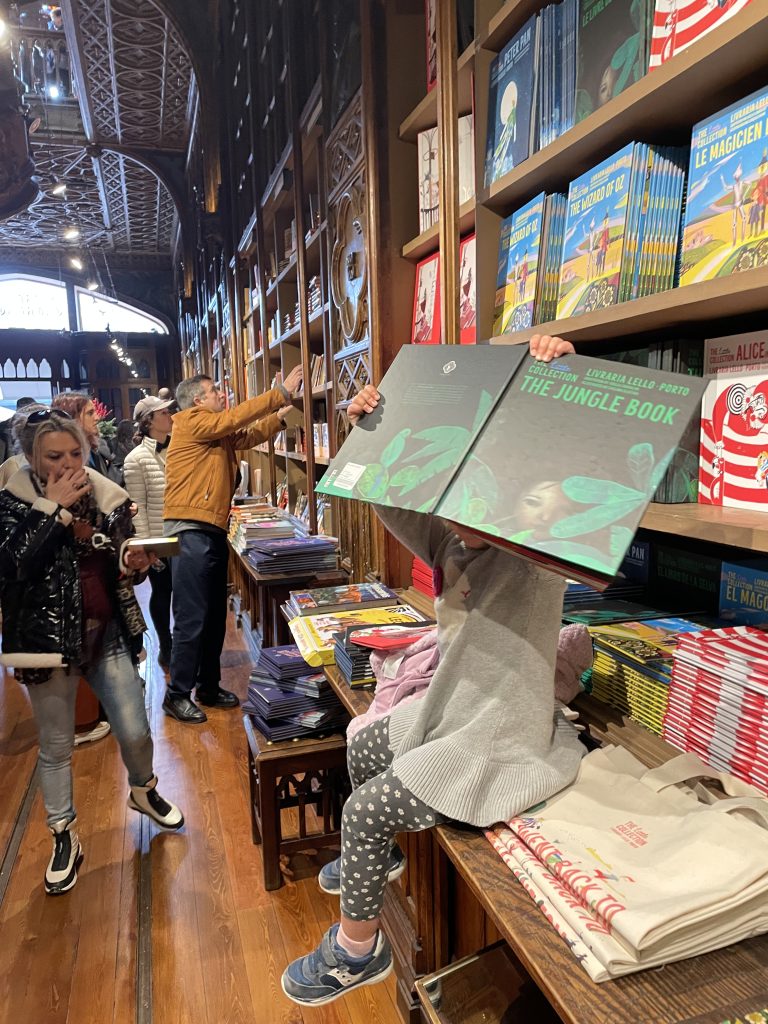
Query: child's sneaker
x,y
329,972
329,878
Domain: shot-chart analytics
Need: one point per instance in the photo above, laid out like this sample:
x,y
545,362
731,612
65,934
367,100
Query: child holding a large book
x,y
486,741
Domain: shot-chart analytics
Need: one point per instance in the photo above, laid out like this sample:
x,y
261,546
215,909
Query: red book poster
x,y
426,302
430,16
467,292
678,23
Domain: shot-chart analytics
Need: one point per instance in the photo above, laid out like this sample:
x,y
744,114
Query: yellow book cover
x,y
315,634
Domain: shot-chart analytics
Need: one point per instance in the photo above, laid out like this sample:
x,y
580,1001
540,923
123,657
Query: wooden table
x,y
261,596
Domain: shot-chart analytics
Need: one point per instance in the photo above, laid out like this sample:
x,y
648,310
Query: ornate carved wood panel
x,y
348,218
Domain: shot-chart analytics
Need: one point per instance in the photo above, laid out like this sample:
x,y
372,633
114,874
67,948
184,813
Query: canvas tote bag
x,y
638,867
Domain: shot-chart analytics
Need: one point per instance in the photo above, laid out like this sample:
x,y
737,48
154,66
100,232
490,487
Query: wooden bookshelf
x,y
429,241
424,115
734,527
720,298
661,107
506,21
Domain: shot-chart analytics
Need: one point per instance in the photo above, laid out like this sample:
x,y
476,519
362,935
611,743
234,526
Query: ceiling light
x,y
76,262
53,92
71,233
59,187
3,28
92,286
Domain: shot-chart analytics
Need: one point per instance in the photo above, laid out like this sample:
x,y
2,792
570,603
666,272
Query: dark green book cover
x,y
556,460
612,51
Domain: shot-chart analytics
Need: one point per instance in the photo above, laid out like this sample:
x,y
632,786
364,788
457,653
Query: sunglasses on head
x,y
45,414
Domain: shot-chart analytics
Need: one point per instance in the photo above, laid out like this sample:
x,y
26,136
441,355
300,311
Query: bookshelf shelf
x,y
737,294
734,527
288,273
424,114
323,390
428,241
661,107
503,25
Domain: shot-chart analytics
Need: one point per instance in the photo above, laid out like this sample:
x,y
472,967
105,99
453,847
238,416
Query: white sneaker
x,y
67,856
146,800
98,732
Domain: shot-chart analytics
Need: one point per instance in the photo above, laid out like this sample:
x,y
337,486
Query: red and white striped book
x,y
678,23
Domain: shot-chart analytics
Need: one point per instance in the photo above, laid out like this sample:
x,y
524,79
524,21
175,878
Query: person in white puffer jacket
x,y
144,470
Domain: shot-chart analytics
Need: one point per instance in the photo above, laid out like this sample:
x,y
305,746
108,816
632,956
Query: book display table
x,y
457,898
294,773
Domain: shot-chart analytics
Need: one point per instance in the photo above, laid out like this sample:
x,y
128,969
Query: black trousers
x,y
199,612
160,602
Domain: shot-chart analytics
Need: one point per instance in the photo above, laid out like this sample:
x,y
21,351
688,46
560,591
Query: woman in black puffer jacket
x,y
66,584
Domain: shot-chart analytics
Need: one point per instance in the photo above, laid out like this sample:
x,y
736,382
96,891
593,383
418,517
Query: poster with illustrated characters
x,y
733,455
594,236
510,103
612,44
678,23
556,460
726,215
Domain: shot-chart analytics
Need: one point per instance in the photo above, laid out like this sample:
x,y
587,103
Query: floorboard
x,y
219,941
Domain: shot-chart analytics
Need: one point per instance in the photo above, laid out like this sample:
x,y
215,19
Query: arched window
x,y
96,312
33,303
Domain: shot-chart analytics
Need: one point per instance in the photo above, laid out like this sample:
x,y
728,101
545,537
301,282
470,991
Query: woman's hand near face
x,y
67,487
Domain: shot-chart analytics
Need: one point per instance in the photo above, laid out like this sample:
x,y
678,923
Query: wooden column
x,y
448,162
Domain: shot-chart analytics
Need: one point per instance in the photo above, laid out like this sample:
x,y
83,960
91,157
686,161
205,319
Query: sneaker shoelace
x,y
160,806
62,850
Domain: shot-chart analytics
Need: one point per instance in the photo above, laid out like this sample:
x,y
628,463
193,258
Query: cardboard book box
x,y
557,461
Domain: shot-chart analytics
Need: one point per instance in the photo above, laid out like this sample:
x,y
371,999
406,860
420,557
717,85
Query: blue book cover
x,y
744,593
510,104
518,268
594,236
726,215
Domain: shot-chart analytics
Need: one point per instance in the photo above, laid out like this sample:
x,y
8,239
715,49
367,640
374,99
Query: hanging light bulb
x,y
71,233
76,262
92,286
59,187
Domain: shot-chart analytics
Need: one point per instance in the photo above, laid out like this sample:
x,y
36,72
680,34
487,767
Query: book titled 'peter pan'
x,y
557,461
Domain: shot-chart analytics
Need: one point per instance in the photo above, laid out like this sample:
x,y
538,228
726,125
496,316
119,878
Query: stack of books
x,y
295,555
352,660
315,635
718,701
338,599
287,700
248,531
632,666
422,578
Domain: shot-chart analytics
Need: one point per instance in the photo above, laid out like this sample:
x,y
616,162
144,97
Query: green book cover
x,y
555,460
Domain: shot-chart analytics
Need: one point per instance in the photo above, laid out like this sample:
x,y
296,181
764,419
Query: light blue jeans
x,y
116,683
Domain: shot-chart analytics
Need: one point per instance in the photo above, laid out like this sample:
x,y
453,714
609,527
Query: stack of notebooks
x,y
288,555
718,701
249,530
632,666
352,660
287,700
353,647
315,635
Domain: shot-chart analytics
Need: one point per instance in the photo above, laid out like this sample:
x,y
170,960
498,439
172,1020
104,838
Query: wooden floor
x,y
219,942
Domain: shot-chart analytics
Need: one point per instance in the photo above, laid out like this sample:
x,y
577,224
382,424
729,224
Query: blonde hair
x,y
31,436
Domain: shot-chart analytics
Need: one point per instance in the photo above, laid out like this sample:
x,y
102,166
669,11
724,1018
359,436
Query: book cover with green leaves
x,y
556,460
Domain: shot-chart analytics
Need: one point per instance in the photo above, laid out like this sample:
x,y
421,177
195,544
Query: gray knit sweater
x,y
485,742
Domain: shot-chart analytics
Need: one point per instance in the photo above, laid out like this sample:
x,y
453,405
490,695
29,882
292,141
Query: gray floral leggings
x,y
380,806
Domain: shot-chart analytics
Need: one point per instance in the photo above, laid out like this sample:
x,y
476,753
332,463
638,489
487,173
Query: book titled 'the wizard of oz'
x,y
557,461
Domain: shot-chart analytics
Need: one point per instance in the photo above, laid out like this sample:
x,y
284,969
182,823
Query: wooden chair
x,y
294,773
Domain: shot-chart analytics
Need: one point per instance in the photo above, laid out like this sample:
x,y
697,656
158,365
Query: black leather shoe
x,y
218,699
184,710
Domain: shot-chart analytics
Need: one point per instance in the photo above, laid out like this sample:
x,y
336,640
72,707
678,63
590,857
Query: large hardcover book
x,y
467,291
518,268
744,593
678,23
425,328
315,635
594,236
726,227
556,460
510,104
338,599
612,51
429,183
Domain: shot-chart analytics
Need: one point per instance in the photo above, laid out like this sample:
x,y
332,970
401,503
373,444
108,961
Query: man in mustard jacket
x,y
200,472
